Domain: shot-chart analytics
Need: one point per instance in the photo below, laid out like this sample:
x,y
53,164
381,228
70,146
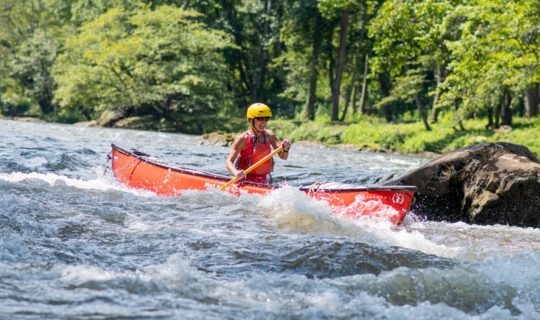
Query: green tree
x,y
143,61
27,52
31,67
410,45
303,32
255,28
256,32
496,59
342,10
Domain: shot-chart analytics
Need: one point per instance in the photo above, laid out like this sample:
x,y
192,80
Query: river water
x,y
76,244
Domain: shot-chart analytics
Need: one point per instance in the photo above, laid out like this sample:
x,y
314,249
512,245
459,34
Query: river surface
x,y
76,244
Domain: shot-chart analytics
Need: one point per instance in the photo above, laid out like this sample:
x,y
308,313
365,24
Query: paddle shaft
x,y
253,167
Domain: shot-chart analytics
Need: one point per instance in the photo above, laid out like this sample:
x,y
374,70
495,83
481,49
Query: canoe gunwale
x,y
138,155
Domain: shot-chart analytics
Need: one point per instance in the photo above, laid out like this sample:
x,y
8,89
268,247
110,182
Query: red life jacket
x,y
253,152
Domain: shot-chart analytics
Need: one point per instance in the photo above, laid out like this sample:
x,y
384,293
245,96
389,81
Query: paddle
x,y
253,167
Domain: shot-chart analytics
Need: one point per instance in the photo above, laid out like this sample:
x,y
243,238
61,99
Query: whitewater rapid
x,y
75,243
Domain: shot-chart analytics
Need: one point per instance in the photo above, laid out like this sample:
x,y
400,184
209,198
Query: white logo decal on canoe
x,y
398,198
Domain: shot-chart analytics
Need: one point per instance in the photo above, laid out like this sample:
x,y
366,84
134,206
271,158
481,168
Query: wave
x,y
406,293
293,210
102,182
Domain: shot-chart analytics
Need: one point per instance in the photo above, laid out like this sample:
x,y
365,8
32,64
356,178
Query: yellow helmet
x,y
258,110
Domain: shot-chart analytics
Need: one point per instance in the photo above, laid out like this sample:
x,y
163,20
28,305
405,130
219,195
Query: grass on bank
x,y
366,133
377,135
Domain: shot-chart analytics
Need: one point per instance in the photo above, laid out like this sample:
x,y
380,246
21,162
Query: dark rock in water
x,y
217,138
492,183
108,118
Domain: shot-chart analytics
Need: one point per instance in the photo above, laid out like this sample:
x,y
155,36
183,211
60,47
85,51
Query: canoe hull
x,y
139,170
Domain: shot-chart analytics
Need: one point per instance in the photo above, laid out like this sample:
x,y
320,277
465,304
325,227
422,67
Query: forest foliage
x,y
185,64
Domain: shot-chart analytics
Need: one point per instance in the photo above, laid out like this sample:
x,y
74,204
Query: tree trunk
x,y
356,89
438,79
363,95
45,103
490,118
460,121
503,111
384,83
331,61
260,78
348,95
313,71
344,24
498,108
521,107
357,57
532,99
45,95
241,62
506,112
421,111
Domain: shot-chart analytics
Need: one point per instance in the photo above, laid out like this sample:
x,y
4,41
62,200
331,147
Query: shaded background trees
x,y
185,63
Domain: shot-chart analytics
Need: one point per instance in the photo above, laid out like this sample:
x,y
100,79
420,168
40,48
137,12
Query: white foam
x,y
519,270
36,162
366,294
101,182
176,272
294,211
476,242
86,273
348,297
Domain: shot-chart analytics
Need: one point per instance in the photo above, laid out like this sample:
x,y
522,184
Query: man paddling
x,y
253,145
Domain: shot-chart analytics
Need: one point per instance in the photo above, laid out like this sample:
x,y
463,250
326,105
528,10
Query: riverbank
x,y
375,135
406,138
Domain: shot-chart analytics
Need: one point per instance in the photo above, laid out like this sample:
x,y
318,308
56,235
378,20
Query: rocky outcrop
x,y
147,122
492,183
217,138
108,117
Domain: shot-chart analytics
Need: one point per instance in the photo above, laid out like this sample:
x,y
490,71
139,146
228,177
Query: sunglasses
x,y
262,118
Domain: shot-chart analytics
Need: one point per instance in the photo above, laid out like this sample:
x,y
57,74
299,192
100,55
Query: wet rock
x,y
217,138
147,122
92,123
491,183
32,119
108,117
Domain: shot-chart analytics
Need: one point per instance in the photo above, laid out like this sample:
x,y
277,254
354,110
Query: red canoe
x,y
139,170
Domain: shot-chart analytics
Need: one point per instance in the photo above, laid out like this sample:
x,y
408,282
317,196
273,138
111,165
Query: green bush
x,y
374,134
12,110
